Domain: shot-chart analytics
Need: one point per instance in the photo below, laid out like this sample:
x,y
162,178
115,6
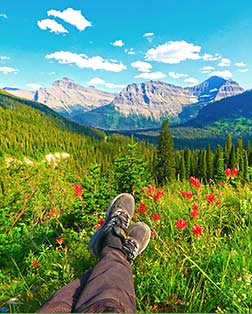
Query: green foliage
x,y
218,165
130,171
165,164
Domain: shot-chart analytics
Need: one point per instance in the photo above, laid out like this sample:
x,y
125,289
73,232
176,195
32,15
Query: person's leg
x,y
110,286
65,299
118,218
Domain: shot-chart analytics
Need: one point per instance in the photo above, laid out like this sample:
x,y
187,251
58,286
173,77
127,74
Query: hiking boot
x,y
113,230
138,237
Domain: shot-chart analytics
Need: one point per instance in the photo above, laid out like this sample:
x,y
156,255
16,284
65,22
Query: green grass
x,y
178,272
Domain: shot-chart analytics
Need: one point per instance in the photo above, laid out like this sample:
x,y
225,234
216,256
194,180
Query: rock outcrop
x,y
153,99
69,98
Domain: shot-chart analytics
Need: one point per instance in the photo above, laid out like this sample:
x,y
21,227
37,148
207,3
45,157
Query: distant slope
x,y
32,130
8,101
69,98
142,105
228,108
215,88
22,93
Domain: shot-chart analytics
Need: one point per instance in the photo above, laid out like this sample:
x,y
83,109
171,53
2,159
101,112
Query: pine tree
x,y
245,165
202,165
182,169
232,158
209,163
218,172
165,166
188,163
227,148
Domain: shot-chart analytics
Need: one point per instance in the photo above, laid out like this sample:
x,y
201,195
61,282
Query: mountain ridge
x,y
143,104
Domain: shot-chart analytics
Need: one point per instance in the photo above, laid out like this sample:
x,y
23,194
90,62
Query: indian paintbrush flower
x,y
181,224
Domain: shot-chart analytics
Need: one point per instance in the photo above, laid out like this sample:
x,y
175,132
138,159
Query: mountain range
x,y
142,105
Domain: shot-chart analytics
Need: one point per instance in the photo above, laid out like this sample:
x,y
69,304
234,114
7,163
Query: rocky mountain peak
x,y
215,88
152,99
228,89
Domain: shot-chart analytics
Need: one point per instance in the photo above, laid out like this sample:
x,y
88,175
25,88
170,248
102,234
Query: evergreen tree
x,y
203,165
188,163
232,158
227,148
218,172
130,171
209,163
165,166
245,165
182,169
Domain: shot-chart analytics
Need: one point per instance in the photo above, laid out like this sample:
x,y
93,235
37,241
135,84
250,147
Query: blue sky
x,y
113,43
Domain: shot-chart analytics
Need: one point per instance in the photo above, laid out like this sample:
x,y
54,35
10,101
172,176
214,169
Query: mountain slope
x,y
29,129
22,93
69,98
215,88
141,105
234,107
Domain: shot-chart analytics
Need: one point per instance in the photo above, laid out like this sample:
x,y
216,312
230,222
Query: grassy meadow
x,y
198,259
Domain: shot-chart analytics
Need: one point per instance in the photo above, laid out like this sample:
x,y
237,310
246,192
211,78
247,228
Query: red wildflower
x,y
97,227
210,198
153,233
60,240
151,189
101,221
217,202
159,194
194,214
228,172
197,230
195,207
143,190
195,182
36,264
181,224
142,208
78,189
54,213
235,172
187,194
156,217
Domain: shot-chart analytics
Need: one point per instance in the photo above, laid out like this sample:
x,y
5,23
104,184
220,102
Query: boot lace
x,y
130,249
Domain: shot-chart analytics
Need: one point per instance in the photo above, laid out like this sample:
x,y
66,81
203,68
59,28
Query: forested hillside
x,y
30,129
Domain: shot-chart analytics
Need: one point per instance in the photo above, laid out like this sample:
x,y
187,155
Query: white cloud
x,y
96,81
191,81
209,57
52,25
207,69
225,62
118,43
174,52
177,75
71,16
240,64
151,76
2,58
129,51
243,70
142,66
148,34
84,62
3,15
225,74
34,86
7,70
